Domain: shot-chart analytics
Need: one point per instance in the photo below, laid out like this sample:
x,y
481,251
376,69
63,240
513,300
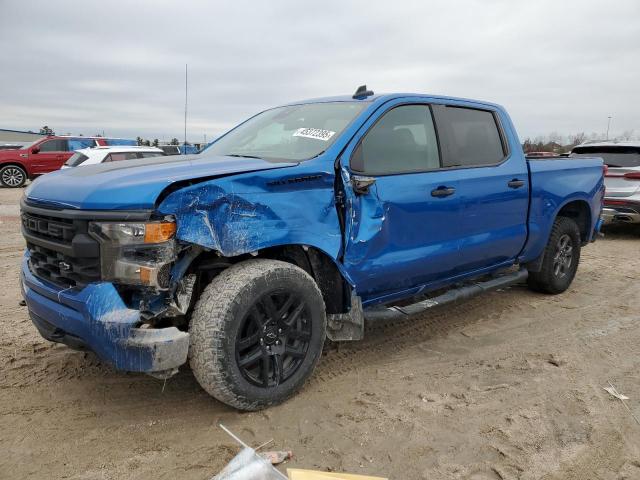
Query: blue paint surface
x,y
397,241
95,314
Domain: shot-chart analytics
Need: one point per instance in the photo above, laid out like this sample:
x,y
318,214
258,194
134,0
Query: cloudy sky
x,y
118,66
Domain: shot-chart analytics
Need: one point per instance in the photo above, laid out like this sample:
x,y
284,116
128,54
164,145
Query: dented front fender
x,y
248,212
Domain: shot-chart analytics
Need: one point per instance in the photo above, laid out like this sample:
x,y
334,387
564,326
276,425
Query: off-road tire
x,y
12,176
215,327
550,279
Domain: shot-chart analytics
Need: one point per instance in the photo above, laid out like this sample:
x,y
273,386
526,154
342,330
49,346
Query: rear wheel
x,y
257,333
12,176
561,257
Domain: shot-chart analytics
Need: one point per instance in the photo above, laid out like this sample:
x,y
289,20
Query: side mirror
x,y
35,150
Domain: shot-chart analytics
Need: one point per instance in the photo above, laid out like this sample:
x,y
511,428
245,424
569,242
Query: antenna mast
x,y
186,86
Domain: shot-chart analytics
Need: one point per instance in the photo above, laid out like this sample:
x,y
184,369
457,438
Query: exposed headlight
x,y
139,253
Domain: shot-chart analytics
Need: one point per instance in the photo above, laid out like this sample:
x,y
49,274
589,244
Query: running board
x,y
450,296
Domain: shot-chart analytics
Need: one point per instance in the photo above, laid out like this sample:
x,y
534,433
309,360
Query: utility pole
x,y
608,125
186,86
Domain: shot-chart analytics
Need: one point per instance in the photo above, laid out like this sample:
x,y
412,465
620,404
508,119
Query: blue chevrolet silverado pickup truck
x,y
300,224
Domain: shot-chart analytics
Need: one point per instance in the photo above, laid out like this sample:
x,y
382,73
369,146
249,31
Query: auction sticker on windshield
x,y
315,133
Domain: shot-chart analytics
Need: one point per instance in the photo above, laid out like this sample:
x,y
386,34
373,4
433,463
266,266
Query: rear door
x,y
493,185
401,223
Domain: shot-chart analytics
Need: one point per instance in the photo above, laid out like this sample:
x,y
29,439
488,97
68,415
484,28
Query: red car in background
x,y
44,156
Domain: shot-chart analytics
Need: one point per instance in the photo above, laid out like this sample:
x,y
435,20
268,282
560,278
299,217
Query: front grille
x,y
61,250
60,229
64,271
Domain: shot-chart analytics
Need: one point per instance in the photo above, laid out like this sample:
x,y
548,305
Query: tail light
x,y
605,169
632,176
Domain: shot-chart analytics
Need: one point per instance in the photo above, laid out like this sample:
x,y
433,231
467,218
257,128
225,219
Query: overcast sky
x,y
118,66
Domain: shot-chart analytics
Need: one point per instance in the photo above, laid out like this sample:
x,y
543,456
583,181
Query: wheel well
x,y
15,164
579,212
335,290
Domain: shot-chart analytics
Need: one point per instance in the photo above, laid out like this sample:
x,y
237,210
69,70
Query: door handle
x,y
516,183
443,191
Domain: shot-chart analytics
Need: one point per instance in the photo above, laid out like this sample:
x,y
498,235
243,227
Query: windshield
x,y
76,159
612,156
296,132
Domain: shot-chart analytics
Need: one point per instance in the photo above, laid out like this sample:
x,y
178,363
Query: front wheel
x,y
561,258
12,176
257,333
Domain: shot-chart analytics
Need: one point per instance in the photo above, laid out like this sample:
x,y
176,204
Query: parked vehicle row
x,y
17,165
622,180
20,162
292,228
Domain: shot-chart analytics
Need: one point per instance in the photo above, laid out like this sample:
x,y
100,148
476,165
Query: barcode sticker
x,y
315,133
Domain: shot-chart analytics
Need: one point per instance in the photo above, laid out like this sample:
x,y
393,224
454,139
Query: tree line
x,y
558,143
148,143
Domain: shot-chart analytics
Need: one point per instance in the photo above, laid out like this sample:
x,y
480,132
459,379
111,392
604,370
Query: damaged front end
x,y
117,287
149,268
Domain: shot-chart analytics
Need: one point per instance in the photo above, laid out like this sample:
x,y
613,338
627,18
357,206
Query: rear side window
x,y
53,146
472,137
612,156
402,141
151,154
79,143
116,157
76,159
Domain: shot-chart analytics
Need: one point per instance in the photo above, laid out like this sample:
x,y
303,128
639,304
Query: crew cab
x,y
298,225
43,156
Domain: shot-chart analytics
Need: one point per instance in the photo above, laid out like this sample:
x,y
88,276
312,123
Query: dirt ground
x,y
506,386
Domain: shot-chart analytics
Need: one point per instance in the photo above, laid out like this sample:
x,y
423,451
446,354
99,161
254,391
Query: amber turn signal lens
x,y
159,232
145,275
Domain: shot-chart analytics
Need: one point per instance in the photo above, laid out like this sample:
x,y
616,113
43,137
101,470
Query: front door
x,y
49,156
401,223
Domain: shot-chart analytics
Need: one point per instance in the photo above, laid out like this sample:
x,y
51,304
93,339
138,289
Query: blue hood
x,y
132,184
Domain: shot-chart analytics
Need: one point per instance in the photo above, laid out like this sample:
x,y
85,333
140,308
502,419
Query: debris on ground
x,y
277,457
297,474
247,465
250,465
614,392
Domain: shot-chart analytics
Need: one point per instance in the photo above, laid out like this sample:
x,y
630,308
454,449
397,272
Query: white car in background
x,y
95,155
622,178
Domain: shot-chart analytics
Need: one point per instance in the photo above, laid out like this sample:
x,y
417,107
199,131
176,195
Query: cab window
x,y
53,146
472,137
402,141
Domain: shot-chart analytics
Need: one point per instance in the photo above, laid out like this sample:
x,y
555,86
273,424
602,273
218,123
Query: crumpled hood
x,y
133,184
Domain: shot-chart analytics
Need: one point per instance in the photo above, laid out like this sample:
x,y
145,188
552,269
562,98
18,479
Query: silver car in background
x,y
622,178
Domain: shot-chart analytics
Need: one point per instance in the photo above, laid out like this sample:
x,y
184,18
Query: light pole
x,y
608,125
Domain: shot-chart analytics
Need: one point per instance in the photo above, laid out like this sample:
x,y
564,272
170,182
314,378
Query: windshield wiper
x,y
238,155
